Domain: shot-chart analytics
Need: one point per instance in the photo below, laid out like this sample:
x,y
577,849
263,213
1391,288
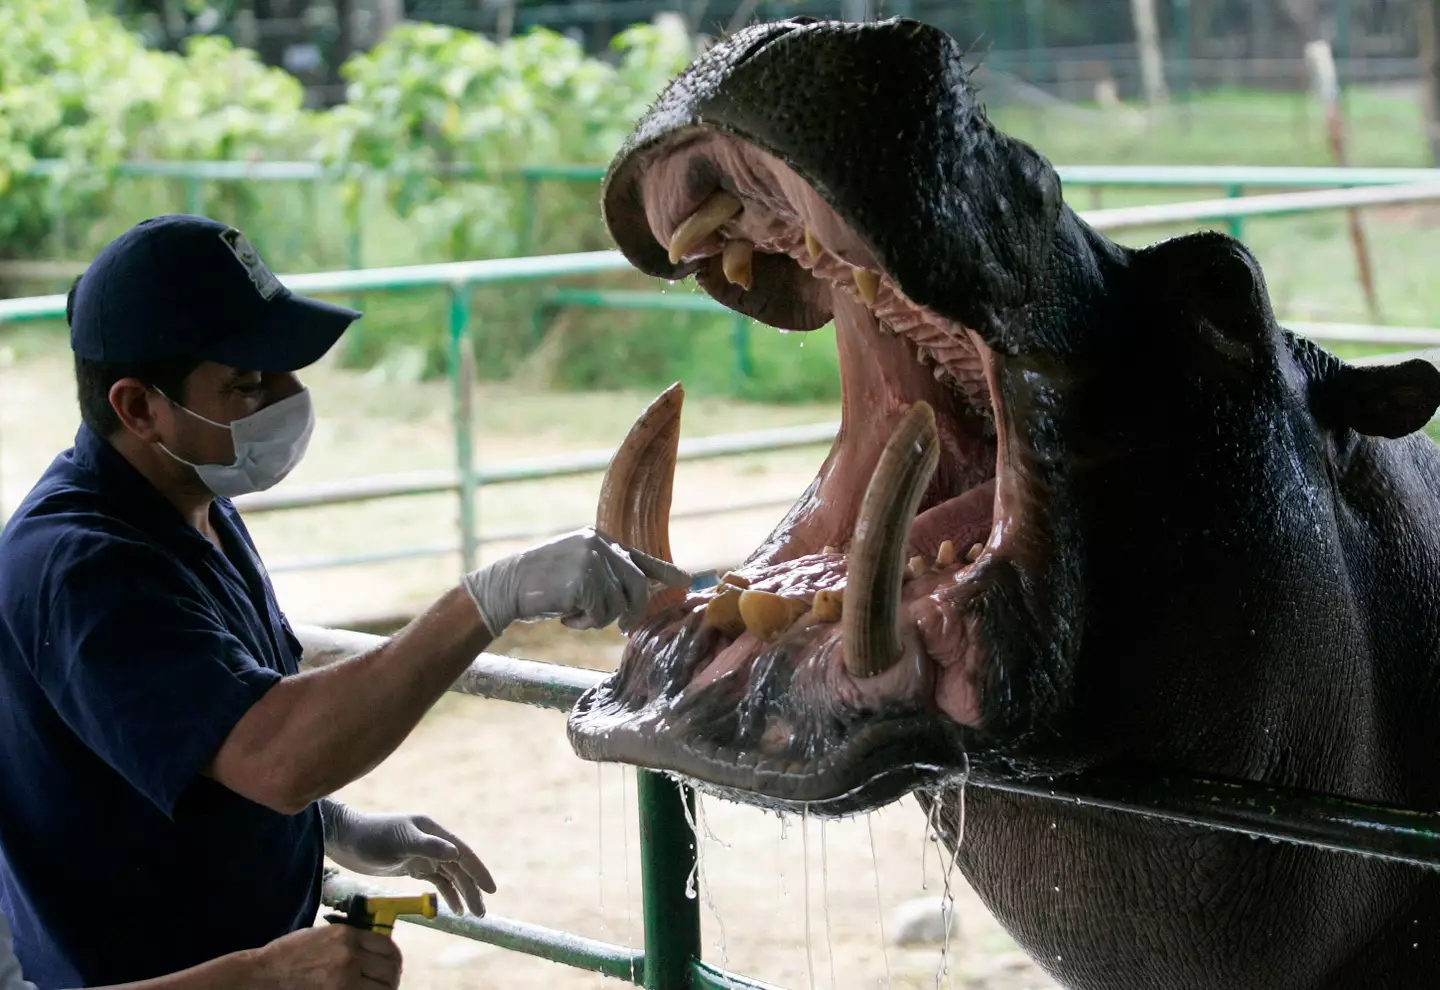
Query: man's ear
x,y
134,402
1384,400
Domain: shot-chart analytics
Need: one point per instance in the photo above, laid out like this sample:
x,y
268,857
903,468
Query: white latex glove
x,y
406,845
584,579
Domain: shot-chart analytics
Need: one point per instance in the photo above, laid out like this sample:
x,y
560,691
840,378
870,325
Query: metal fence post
x,y
462,371
667,858
194,196
528,206
1237,223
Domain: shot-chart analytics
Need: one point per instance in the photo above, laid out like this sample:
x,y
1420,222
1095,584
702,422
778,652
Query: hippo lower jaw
x,y
841,666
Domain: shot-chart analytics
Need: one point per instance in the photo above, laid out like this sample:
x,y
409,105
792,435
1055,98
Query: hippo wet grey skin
x,y
1090,507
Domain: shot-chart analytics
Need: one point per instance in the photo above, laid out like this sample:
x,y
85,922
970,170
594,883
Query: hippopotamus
x,y
1089,506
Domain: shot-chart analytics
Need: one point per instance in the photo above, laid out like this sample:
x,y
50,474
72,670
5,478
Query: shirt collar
x,y
133,496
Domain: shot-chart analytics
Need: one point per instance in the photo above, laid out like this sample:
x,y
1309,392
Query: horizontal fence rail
x,y
1235,179
459,277
672,920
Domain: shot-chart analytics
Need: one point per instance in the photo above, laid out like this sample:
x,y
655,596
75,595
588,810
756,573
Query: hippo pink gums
x,y
1088,506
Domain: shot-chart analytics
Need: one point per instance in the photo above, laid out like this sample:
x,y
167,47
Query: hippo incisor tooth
x,y
736,261
829,549
945,556
868,283
738,580
882,529
812,245
723,612
829,605
768,615
634,503
711,215
974,552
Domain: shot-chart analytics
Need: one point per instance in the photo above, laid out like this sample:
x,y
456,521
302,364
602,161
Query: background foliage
x,y
435,115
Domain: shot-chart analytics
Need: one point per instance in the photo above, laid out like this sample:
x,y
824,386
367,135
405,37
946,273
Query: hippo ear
x,y
1387,400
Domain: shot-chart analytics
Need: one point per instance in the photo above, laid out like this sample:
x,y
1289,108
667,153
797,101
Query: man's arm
x,y
336,957
312,734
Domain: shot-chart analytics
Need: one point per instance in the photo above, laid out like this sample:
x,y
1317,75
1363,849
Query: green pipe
x,y
703,976
740,343
667,859
195,196
576,951
462,371
527,214
1237,223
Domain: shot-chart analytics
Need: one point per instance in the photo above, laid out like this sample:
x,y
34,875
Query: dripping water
x,y
805,853
698,879
947,910
879,904
600,836
625,833
825,902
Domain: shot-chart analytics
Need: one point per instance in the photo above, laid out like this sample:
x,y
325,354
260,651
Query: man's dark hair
x,y
93,379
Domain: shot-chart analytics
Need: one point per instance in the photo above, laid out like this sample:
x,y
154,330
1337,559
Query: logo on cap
x,y
265,281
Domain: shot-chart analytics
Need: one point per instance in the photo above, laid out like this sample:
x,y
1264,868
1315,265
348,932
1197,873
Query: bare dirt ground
x,y
560,834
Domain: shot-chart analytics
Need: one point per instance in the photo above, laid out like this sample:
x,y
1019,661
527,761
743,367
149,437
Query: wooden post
x,y
1147,36
1427,34
1322,68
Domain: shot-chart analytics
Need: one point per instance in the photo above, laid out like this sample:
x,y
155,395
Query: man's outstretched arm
x,y
311,734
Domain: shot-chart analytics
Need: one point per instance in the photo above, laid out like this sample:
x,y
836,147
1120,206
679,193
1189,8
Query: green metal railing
x,y
1234,179
672,958
458,278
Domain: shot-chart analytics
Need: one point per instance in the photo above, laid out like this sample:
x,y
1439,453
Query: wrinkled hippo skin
x,y
1213,545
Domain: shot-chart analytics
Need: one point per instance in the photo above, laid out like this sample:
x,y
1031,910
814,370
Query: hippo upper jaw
x,y
891,621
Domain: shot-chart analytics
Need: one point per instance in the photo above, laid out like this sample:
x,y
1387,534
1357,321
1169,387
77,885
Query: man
x,y
163,792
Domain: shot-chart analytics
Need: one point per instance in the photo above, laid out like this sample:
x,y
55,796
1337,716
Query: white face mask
x,y
268,445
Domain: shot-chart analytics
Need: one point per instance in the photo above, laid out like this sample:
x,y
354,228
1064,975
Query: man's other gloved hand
x,y
584,579
407,845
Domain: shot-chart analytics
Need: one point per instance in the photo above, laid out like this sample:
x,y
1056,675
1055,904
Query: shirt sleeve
x,y
10,976
143,670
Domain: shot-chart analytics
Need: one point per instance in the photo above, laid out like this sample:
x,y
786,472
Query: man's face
x,y
221,394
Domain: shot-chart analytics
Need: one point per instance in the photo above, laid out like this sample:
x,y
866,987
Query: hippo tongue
x,y
964,520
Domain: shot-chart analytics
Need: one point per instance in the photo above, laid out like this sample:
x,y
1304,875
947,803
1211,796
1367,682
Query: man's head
x,y
178,321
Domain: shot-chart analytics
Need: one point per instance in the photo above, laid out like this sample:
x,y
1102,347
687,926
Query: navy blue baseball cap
x,y
178,285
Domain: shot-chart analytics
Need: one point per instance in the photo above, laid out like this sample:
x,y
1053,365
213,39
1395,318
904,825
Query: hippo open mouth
x,y
846,661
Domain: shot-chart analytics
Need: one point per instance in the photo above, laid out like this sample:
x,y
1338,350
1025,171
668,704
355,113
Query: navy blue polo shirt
x,y
129,648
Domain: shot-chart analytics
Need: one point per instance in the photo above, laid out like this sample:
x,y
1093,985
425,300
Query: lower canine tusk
x,y
634,504
877,555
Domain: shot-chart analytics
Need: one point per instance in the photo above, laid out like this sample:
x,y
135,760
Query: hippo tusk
x,y
738,261
877,556
711,215
634,504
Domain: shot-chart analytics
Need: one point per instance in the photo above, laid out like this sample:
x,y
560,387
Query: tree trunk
x,y
1427,33
388,13
1147,36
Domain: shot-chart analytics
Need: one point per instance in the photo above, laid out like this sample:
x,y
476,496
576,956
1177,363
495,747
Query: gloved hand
x,y
584,579
406,845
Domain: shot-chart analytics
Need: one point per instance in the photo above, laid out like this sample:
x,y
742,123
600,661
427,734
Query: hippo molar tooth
x,y
945,556
974,552
828,605
767,615
917,566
